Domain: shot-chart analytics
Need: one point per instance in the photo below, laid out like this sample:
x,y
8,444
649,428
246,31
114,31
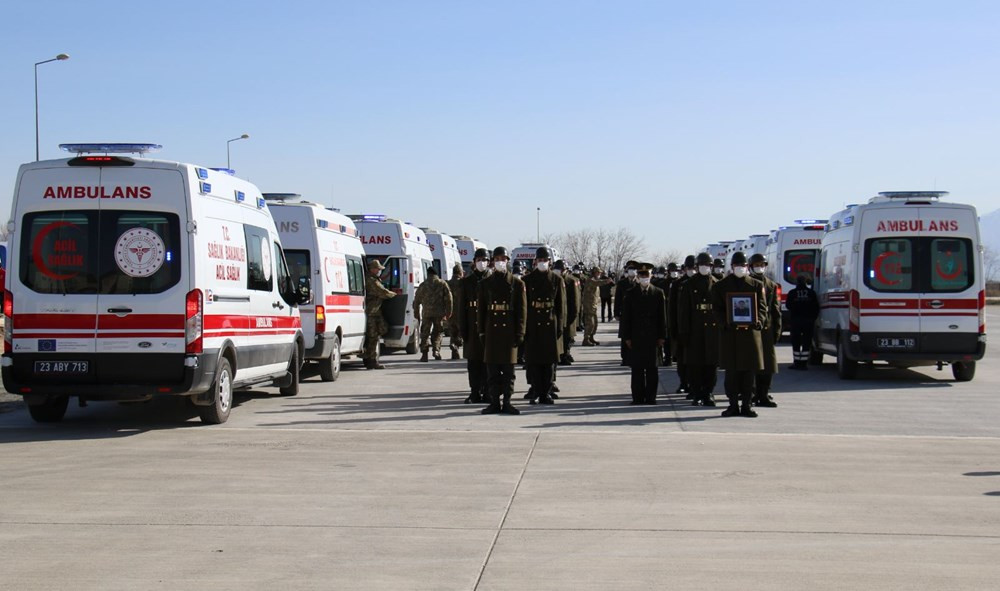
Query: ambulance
x,y
402,248
792,251
444,248
134,277
325,256
467,250
900,279
526,254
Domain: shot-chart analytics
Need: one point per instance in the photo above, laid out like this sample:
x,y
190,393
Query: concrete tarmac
x,y
385,480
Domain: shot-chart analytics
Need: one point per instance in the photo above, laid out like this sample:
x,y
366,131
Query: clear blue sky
x,y
688,122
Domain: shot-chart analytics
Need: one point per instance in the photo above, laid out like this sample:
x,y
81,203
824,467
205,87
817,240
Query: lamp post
x,y
538,224
245,136
61,57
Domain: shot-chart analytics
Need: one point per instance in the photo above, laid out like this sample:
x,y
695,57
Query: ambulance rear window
x,y
889,264
298,266
391,276
951,264
799,262
139,253
57,253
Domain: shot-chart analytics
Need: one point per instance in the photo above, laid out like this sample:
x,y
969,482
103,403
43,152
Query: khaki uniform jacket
x,y
454,285
696,325
772,325
433,298
466,308
501,312
591,295
546,319
375,294
740,347
573,303
643,322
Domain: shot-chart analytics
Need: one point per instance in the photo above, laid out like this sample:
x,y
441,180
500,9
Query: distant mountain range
x,y
989,229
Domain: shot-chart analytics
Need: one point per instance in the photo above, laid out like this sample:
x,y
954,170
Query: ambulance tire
x,y
411,345
847,369
329,368
51,411
963,371
218,412
293,368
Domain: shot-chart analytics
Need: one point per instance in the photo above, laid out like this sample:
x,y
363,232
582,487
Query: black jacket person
x,y
500,320
643,328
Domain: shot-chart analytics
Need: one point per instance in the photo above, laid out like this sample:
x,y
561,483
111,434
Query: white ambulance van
x,y
402,248
792,251
324,254
467,250
901,280
133,277
526,254
444,248
756,244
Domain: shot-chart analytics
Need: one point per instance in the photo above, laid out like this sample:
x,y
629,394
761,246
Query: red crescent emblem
x,y
877,266
36,251
948,276
793,264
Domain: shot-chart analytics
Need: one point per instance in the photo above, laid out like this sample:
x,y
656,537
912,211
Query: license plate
x,y
62,368
890,343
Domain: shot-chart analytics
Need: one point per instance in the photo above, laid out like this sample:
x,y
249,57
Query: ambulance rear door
x,y
889,293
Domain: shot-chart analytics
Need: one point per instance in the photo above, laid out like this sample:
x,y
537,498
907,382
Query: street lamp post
x,y
245,136
538,224
60,57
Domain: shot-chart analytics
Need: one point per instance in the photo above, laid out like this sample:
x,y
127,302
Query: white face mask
x,y
500,266
644,281
689,272
718,271
631,272
482,266
542,265
704,269
675,274
740,271
759,270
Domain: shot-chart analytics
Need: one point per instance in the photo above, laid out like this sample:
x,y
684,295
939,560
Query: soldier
x,y
741,352
518,270
573,302
546,321
607,311
624,284
803,308
591,292
375,324
643,327
454,336
770,333
432,303
677,347
466,307
580,273
698,332
501,322
672,274
718,268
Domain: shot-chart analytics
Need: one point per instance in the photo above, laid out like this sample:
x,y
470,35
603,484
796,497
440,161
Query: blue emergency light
x,y
204,187
228,171
240,196
261,203
202,173
110,148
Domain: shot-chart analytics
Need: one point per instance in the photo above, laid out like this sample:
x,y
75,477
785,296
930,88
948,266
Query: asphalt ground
x,y
385,480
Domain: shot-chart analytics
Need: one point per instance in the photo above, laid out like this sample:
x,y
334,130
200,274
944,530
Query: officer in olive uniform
x,y
572,310
624,284
741,350
432,304
546,320
454,336
501,322
466,307
643,327
699,332
770,333
673,324
376,326
718,268
591,289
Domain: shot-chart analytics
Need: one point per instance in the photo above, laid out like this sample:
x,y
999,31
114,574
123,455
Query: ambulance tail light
x,y
320,319
8,321
854,313
982,310
778,293
194,322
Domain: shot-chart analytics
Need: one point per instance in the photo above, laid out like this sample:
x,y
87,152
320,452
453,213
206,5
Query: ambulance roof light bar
x,y
810,222
281,197
110,148
913,194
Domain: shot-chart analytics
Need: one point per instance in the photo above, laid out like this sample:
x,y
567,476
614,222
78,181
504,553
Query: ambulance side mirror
x,y
304,291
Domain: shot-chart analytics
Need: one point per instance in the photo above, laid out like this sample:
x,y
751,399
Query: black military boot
x,y
748,412
531,396
423,356
494,396
437,355
707,399
454,354
732,411
508,408
564,359
474,398
545,398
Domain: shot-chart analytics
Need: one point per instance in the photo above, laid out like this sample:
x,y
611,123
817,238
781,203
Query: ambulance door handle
x,y
278,305
119,310
936,304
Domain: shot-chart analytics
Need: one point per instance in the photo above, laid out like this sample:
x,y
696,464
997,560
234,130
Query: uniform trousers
x,y
477,376
645,381
606,304
500,379
701,378
431,333
802,333
540,377
739,386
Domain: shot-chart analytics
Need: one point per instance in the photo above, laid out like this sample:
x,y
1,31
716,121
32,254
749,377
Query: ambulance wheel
x,y
411,345
293,368
218,412
51,411
847,369
963,371
329,368
815,357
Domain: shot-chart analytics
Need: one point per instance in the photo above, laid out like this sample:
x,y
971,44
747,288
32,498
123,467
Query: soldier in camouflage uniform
x,y
432,304
375,325
454,334
591,302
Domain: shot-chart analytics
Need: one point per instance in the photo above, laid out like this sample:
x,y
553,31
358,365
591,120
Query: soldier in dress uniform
x,y
718,268
741,351
466,308
375,324
432,305
454,336
698,331
501,322
517,268
673,325
643,327
625,283
591,289
672,274
572,310
770,333
546,321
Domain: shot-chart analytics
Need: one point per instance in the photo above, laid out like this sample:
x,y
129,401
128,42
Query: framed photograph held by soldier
x,y
741,308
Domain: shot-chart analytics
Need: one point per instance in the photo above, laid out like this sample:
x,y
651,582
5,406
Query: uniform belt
x,y
541,305
500,307
473,304
703,306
